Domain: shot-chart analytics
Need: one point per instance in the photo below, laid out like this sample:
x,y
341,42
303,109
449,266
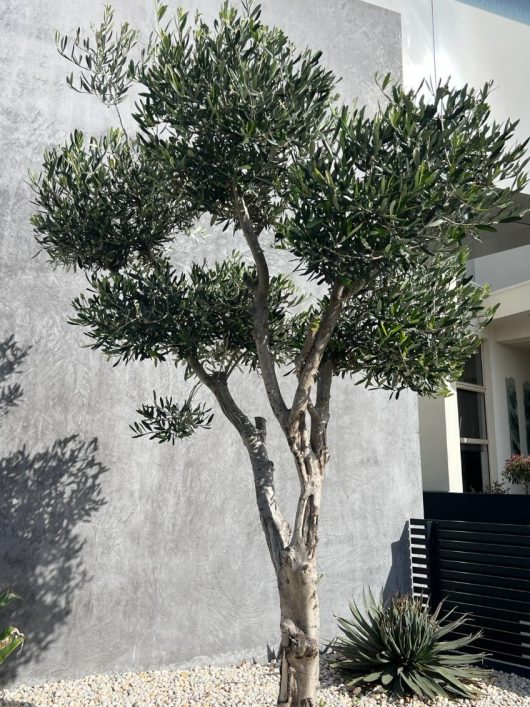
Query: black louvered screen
x,y
482,569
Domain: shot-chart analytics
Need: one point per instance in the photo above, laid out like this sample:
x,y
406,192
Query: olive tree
x,y
236,125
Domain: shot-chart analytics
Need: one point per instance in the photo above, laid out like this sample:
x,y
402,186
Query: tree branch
x,y
261,313
275,526
303,500
310,472
304,535
320,412
309,368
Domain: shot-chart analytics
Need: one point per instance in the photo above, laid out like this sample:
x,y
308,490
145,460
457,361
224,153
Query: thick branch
x,y
313,451
320,412
261,313
304,538
217,383
275,526
309,368
310,476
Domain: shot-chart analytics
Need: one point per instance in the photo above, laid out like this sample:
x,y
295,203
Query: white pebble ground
x,y
247,685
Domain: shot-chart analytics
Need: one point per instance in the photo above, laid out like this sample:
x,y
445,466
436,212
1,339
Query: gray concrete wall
x,y
130,554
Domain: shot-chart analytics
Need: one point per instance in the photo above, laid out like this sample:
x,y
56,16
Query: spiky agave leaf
x,y
400,645
10,638
6,597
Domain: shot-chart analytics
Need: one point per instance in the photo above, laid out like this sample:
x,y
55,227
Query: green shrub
x,y
497,487
10,638
517,471
402,646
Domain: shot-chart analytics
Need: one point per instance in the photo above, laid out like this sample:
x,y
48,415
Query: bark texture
x,y
292,548
304,424
300,622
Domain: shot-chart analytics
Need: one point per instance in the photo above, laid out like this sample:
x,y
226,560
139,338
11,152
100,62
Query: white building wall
x,y
417,35
474,46
439,422
505,361
451,39
440,444
503,269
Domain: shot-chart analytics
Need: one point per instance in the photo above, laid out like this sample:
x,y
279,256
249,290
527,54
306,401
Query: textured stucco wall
x,y
130,554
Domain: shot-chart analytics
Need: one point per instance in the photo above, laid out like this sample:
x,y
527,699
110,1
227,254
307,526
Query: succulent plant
x,y
10,638
402,646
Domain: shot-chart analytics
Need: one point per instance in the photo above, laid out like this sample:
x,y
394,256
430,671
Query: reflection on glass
x,y
526,400
472,414
513,416
473,370
475,471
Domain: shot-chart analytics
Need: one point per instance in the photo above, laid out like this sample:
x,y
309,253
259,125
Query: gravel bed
x,y
247,685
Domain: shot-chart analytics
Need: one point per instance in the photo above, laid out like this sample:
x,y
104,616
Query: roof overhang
x,y
511,324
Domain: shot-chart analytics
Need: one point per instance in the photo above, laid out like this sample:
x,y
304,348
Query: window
x,y
471,397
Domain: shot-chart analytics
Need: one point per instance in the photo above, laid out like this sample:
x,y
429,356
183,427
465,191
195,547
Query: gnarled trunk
x,y
298,589
293,553
292,550
300,624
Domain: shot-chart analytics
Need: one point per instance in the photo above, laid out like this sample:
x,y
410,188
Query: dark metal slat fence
x,y
481,569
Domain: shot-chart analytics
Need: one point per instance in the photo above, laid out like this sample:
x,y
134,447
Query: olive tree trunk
x,y
304,424
300,625
292,550
296,573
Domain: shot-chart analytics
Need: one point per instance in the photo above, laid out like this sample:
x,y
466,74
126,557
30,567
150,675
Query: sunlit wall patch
x,y
518,10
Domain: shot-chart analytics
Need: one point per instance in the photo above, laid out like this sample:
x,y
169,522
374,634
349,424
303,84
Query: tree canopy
x,y
235,123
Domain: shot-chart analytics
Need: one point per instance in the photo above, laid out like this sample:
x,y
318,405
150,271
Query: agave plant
x,y
10,638
407,649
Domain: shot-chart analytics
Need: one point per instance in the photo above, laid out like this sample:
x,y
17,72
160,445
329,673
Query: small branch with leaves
x,y
106,69
167,421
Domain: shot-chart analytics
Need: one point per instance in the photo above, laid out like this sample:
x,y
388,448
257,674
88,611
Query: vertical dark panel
x,y
513,416
526,399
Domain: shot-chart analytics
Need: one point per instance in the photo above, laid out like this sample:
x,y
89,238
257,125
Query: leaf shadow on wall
x,y
45,497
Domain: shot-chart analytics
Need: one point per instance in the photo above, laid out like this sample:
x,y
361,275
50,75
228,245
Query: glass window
x,y
475,468
471,398
473,370
472,414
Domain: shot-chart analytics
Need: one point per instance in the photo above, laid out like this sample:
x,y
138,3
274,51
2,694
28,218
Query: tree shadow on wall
x,y
399,580
45,497
12,356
